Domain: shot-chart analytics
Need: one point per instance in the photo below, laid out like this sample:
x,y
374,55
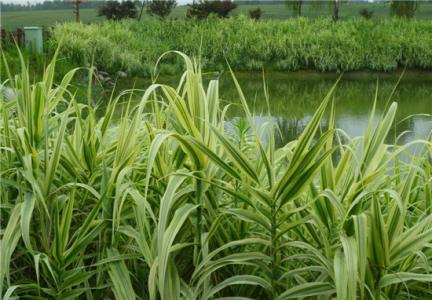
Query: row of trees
x,y
115,10
203,8
400,8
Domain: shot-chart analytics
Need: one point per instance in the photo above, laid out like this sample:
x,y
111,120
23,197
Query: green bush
x,y
160,8
204,8
255,13
248,45
366,13
114,10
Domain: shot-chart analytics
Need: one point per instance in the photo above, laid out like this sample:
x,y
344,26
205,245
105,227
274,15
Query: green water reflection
x,y
294,98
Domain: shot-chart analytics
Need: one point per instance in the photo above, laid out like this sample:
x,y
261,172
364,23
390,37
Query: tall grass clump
x,y
289,45
167,203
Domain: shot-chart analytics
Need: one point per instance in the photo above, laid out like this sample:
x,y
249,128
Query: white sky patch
x,y
39,1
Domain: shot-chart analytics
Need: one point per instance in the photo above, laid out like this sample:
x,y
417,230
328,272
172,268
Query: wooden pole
x,y
77,10
142,9
335,10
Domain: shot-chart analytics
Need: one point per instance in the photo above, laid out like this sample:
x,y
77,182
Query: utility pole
x,y
77,10
335,10
142,9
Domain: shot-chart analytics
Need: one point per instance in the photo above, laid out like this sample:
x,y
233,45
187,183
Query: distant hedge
x,y
250,45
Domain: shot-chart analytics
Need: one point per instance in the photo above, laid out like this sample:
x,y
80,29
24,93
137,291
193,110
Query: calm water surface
x,y
295,96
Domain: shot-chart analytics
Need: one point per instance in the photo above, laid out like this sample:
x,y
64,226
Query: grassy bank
x,y
248,45
165,203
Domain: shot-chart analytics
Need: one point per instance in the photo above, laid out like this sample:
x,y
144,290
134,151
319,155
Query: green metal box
x,y
34,38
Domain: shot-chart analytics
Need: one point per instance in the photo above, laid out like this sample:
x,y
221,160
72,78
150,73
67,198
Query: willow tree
x,y
334,6
295,6
403,8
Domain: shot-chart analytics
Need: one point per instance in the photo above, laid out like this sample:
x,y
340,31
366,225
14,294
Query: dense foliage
x,y
255,13
204,8
160,8
403,8
114,10
289,45
167,203
296,7
366,13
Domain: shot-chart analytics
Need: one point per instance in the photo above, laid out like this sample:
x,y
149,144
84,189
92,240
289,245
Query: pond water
x,y
295,96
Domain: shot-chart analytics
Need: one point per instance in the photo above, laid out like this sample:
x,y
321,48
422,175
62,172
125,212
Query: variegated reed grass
x,y
168,205
285,45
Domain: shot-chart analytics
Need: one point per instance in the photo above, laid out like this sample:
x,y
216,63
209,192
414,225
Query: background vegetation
x,y
294,44
49,15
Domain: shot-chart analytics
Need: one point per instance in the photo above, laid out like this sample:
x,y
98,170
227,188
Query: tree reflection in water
x,y
293,100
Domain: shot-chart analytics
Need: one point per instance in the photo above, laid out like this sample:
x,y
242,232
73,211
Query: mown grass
x,y
290,45
18,19
166,203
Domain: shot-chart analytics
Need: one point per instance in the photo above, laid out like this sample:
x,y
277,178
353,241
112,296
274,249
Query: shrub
x,y
366,13
255,13
204,8
161,8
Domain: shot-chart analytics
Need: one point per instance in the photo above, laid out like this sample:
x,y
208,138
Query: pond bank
x,y
287,45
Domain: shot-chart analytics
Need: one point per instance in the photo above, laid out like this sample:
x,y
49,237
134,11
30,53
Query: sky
x,y
36,1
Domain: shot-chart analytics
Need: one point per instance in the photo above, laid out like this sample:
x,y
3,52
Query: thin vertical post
x,y
77,10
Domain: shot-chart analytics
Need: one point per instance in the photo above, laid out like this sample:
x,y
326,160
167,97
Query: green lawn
x,y
12,20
